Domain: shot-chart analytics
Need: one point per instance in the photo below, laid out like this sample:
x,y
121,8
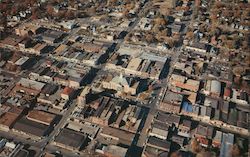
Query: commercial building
x,y
41,117
70,139
31,128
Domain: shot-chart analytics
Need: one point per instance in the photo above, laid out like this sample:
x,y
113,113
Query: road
x,y
57,128
45,144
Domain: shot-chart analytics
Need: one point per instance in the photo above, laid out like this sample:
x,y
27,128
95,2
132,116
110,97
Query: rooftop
x,y
31,127
41,117
70,138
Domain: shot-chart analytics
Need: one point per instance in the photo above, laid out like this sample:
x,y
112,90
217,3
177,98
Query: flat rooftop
x,y
70,138
31,127
41,116
8,119
123,137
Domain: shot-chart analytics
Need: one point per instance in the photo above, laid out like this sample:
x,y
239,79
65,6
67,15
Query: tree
x,y
190,35
195,146
205,154
170,42
14,10
235,150
175,154
149,38
50,9
160,21
245,45
69,14
229,44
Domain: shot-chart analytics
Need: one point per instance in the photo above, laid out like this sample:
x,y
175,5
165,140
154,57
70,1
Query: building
x,y
179,81
112,151
41,117
199,47
27,29
204,134
184,128
67,93
159,130
215,88
52,36
122,84
31,128
226,144
171,102
156,147
117,113
9,117
216,142
39,48
28,86
70,139
167,118
115,136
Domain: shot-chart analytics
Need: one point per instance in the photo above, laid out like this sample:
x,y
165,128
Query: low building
x,y
52,36
156,147
184,128
28,86
159,130
171,102
122,84
70,139
215,88
180,140
226,144
115,136
9,118
41,117
204,134
216,142
31,128
67,93
28,29
112,151
199,47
